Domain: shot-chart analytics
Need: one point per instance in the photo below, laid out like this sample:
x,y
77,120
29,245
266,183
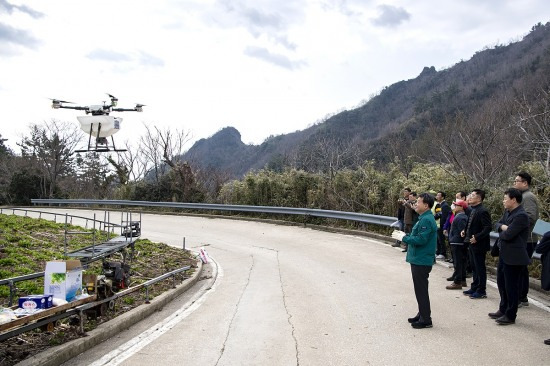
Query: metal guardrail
x,y
80,309
56,214
13,280
341,215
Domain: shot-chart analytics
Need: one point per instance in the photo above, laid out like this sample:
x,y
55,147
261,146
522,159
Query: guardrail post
x,y
184,243
81,316
11,294
65,249
147,295
93,236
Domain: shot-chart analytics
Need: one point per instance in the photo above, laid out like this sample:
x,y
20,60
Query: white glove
x,y
398,235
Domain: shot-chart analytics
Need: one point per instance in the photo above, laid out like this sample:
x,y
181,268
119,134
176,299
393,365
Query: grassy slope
x,y
26,245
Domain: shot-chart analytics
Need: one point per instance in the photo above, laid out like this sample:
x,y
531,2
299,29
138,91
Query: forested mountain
x,y
488,86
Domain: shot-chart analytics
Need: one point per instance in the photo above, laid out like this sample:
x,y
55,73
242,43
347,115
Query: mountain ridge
x,y
402,111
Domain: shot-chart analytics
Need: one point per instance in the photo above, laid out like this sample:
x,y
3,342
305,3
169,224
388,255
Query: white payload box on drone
x,y
106,125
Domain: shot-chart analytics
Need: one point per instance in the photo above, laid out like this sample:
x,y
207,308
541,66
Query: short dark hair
x,y
480,193
526,177
414,194
463,194
443,194
428,199
407,189
514,193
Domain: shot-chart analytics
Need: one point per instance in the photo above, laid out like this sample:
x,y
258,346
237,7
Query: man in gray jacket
x,y
531,206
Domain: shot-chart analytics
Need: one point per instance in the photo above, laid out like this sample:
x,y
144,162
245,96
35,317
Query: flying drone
x,y
100,124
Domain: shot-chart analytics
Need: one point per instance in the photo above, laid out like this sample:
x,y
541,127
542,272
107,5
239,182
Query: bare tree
x,y
328,155
151,153
483,147
533,122
50,146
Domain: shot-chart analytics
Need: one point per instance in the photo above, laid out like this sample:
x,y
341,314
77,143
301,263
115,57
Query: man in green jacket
x,y
422,243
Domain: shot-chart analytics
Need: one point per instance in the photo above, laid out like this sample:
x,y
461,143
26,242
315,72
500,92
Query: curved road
x,y
294,296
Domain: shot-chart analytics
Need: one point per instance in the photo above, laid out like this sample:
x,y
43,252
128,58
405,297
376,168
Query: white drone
x,y
99,125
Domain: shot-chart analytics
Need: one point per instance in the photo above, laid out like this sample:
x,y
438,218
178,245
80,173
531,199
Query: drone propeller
x,y
114,99
139,107
57,101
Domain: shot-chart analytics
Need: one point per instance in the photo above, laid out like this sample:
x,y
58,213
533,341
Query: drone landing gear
x,y
101,143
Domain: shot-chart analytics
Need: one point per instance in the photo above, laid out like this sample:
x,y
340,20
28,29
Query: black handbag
x,y
495,249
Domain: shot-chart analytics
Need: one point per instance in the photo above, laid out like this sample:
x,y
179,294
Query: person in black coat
x,y
441,217
543,248
513,230
476,236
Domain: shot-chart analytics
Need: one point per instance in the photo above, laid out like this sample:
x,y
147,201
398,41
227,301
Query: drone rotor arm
x,y
136,109
78,108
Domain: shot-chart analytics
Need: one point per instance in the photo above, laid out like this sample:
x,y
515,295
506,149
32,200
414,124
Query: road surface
x,y
284,295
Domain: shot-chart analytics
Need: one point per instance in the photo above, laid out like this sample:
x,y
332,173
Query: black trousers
x,y
420,276
524,276
459,262
508,277
441,246
479,271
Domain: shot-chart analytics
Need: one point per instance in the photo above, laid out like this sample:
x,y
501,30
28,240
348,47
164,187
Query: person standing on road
x,y
513,230
441,218
401,213
457,245
476,235
422,243
531,206
410,216
543,248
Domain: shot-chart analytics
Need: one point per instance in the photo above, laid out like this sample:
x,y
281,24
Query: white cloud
x,y
391,16
273,58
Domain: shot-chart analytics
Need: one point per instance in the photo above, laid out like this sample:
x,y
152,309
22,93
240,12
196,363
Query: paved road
x,y
295,296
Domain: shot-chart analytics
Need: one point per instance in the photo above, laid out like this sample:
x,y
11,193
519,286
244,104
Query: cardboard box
x,y
33,302
63,279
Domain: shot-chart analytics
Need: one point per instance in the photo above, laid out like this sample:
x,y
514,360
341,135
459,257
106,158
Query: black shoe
x,y
414,320
450,260
404,250
421,325
523,302
547,341
450,278
504,320
495,315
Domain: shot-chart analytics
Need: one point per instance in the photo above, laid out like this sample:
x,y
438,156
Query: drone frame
x,y
101,143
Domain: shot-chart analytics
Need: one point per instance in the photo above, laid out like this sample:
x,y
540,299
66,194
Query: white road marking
x,y
134,345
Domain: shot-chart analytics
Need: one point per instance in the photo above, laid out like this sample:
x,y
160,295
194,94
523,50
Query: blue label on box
x,y
32,302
